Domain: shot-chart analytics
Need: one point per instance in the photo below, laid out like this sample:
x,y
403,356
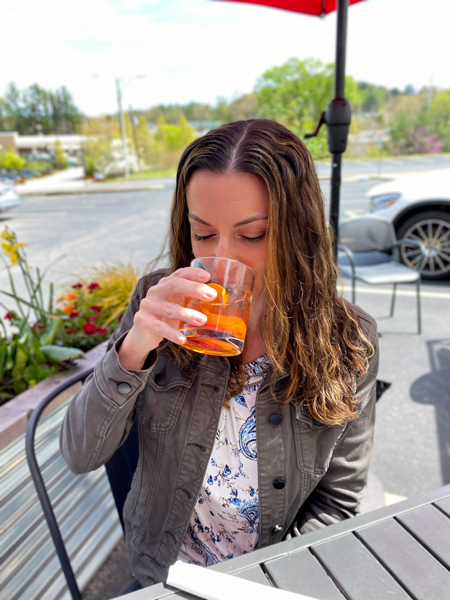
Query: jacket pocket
x,y
314,441
160,403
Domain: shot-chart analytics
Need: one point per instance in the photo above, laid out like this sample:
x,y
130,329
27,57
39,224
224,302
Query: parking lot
x,y
412,446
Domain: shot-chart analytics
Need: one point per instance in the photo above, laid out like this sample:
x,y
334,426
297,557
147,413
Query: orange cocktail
x,y
224,332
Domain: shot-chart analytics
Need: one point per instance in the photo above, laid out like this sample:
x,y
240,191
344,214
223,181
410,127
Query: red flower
x,y
89,328
91,317
69,331
74,314
93,286
38,326
10,315
120,318
96,308
77,285
101,331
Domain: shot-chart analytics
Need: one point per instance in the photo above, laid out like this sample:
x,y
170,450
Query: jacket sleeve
x,y
339,492
100,416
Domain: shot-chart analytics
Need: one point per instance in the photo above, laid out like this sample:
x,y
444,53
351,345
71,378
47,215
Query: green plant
x,y
59,160
11,160
28,353
94,306
41,166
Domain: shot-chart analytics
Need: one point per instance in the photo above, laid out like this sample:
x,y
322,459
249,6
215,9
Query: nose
x,y
223,248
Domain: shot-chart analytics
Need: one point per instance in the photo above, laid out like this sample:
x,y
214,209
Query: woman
x,y
233,450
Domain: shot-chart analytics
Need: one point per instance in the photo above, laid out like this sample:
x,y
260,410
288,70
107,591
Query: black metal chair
x,y
369,252
120,469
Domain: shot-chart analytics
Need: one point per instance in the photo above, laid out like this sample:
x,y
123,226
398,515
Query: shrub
x,y
40,166
11,160
28,355
95,304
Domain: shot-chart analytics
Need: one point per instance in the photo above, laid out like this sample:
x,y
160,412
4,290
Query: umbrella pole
x,y
339,92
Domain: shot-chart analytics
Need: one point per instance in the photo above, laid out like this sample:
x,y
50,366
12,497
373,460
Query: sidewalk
x,y
71,181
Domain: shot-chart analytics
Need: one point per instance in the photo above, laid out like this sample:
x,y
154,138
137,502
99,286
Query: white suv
x,y
419,208
8,196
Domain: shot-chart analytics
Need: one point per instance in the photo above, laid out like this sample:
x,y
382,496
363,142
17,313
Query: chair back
x,y
367,234
120,470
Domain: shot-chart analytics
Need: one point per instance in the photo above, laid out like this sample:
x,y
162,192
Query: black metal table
x,y
398,552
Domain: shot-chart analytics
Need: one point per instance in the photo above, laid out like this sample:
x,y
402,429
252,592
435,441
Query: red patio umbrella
x,y
337,117
307,7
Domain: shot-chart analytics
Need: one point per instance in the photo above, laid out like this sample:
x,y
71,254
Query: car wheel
x,y
432,228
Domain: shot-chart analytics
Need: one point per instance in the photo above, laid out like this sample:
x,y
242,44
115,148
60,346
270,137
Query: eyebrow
x,y
244,222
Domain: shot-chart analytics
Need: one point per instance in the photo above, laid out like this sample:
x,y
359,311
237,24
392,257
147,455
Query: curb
x,y
150,187
89,190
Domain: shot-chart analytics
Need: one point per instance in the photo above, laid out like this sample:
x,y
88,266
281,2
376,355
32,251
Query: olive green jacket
x,y
305,469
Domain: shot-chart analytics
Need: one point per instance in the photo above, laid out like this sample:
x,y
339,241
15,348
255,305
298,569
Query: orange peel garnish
x,y
221,293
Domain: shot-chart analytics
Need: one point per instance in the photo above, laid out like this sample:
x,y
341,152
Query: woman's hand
x,y
161,311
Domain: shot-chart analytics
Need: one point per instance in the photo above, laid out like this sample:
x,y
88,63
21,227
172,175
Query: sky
x,y
178,51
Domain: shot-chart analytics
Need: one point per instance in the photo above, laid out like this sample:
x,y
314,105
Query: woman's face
x,y
228,215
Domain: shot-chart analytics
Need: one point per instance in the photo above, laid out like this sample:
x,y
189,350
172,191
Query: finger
x,y
194,273
158,327
177,286
175,312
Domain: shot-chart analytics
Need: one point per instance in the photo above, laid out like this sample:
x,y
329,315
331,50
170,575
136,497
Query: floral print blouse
x,y
225,519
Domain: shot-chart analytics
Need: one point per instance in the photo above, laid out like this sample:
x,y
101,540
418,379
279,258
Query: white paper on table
x,y
212,585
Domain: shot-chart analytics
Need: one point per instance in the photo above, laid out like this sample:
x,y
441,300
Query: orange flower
x,y
67,298
68,309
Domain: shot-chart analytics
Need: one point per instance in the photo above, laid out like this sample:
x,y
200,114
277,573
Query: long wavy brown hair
x,y
309,331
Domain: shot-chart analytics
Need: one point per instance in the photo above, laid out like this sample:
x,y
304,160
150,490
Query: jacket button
x,y
278,484
275,420
124,388
277,529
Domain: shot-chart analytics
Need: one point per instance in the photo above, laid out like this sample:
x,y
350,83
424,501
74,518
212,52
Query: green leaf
x,y
37,372
60,354
3,357
48,337
20,362
50,299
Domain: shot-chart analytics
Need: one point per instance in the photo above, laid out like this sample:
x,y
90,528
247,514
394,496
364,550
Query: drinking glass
x,y
224,332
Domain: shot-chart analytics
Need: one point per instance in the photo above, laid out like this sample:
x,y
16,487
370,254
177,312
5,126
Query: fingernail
x,y
181,339
200,320
211,294
204,275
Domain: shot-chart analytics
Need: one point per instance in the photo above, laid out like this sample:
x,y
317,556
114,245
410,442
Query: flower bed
x,y
44,337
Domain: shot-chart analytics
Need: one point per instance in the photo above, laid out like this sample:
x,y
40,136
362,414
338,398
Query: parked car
x,y
419,208
8,196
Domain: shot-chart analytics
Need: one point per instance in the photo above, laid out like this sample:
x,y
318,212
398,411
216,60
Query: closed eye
x,y
259,238
200,238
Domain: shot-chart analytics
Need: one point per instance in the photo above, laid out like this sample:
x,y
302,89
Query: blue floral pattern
x,y
225,519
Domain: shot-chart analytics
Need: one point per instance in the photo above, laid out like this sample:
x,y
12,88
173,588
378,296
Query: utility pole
x,y
135,138
122,127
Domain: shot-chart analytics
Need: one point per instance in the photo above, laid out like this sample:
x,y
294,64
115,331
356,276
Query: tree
x,y
439,112
245,107
372,97
101,137
221,113
13,108
36,109
59,160
150,150
295,95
